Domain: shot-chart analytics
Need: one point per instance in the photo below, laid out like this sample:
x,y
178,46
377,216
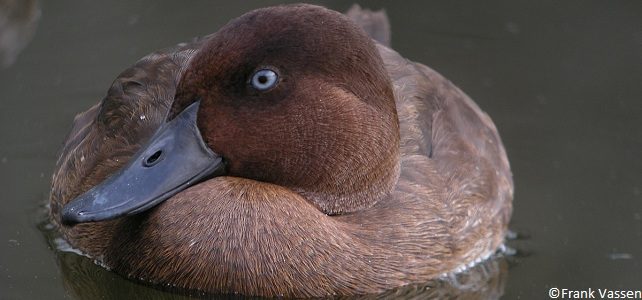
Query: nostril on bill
x,y
153,159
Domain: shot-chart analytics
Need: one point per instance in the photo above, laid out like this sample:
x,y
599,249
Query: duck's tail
x,y
375,23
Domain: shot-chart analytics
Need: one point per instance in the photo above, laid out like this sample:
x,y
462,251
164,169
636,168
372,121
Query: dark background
x,y
561,79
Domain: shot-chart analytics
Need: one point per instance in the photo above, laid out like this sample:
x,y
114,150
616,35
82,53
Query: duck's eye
x,y
264,79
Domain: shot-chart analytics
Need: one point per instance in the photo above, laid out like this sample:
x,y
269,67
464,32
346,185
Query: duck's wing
x,y
440,122
455,186
103,138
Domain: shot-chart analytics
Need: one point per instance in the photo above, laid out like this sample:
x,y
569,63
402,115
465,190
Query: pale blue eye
x,y
264,79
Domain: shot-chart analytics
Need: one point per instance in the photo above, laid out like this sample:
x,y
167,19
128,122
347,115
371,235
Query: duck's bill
x,y
175,158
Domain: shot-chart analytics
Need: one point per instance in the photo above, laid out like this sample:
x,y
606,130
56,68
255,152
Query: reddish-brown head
x,y
298,96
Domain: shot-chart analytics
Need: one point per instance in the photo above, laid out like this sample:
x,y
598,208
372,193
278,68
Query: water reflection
x,y
18,22
85,280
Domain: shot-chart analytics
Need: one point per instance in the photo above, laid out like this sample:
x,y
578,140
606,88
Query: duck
x,y
288,154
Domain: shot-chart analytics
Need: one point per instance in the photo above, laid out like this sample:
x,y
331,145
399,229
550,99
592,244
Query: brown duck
x,y
287,154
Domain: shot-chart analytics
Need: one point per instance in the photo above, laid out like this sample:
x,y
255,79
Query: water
x,y
562,81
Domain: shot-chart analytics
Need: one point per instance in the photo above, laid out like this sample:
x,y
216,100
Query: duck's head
x,y
295,96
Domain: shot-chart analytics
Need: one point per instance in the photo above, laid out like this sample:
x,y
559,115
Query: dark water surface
x,y
561,79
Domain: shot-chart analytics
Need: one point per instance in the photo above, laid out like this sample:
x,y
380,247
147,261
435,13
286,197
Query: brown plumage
x,y
361,171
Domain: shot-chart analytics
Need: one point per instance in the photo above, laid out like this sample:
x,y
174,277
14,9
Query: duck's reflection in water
x,y
18,22
83,279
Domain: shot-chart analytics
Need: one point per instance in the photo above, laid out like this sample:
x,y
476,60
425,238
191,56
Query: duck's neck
x,y
350,193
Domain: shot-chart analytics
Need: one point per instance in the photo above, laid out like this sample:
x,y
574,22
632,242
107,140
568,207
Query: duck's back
x,y
103,138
